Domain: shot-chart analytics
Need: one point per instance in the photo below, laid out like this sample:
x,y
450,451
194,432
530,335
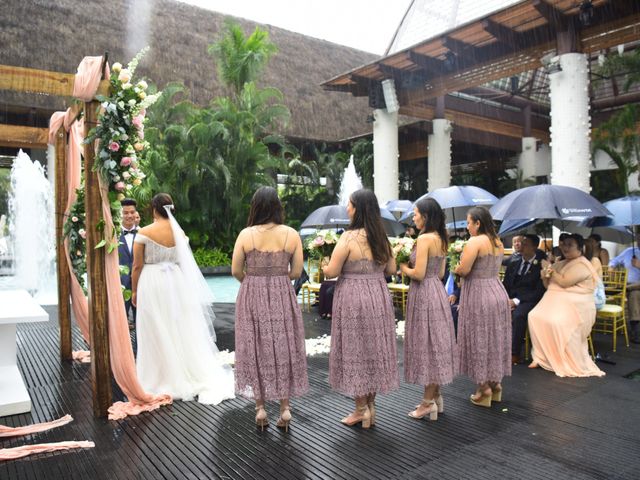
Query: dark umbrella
x,y
335,216
458,196
547,202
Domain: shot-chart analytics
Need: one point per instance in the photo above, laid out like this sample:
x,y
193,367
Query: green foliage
x,y
74,230
5,186
211,257
363,159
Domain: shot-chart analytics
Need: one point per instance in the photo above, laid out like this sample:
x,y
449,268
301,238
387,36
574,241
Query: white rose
x,y
126,86
116,67
126,175
124,76
142,84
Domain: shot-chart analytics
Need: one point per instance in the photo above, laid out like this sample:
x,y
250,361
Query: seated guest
x,y
516,244
590,247
628,260
453,294
601,253
554,255
561,322
525,289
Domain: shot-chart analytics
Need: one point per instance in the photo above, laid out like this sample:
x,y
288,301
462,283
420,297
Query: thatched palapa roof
x,y
56,35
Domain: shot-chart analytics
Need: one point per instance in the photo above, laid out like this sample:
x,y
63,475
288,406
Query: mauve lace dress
x,y
484,323
363,356
271,362
430,351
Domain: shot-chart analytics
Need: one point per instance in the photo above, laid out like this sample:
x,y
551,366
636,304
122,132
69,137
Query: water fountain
x,y
349,184
31,228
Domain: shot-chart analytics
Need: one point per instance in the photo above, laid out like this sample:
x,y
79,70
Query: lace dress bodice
x,y
156,253
363,266
267,264
433,265
485,266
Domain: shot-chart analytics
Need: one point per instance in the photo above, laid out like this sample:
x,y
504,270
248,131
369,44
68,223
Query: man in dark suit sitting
x,y
125,248
524,286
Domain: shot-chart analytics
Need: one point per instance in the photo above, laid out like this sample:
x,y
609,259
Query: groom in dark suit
x,y
524,286
125,248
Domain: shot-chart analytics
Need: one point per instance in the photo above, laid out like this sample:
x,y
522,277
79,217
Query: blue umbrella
x,y
335,216
398,207
455,197
625,212
548,202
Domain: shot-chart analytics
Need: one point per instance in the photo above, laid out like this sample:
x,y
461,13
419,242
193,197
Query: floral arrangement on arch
x,y
454,252
402,248
120,135
74,230
322,244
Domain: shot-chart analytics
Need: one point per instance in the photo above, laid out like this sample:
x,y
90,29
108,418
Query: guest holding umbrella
x,y
363,359
484,321
430,353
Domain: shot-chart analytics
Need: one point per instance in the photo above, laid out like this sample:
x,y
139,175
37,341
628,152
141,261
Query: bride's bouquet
x,y
401,248
322,244
454,252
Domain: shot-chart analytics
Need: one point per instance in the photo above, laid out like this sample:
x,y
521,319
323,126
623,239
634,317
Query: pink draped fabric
x,y
19,452
35,428
73,155
23,451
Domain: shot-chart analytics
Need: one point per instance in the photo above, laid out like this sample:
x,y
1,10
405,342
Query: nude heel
x,y
285,419
432,411
261,418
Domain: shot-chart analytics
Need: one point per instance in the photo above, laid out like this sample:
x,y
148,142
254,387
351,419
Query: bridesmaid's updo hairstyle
x,y
159,201
482,215
265,208
367,216
434,219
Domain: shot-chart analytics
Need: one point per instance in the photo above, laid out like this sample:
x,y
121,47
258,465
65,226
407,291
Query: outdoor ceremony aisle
x,y
547,427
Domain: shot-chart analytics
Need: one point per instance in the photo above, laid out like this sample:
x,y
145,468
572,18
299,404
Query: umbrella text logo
x,y
567,211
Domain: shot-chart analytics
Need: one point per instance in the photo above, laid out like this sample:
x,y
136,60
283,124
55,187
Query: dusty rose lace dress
x,y
430,351
484,323
363,355
271,362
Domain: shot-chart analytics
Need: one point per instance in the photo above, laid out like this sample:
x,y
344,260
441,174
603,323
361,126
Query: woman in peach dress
x,y
561,323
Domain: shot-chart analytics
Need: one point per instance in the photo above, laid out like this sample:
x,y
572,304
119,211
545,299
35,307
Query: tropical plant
x,y
211,257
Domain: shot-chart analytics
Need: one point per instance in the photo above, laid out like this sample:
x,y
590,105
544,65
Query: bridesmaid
x,y
430,353
363,359
271,362
484,321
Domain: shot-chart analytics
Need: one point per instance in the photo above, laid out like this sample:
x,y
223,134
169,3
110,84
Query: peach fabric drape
x,y
122,360
560,325
73,156
23,451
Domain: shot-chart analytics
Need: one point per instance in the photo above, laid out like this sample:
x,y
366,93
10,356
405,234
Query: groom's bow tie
x,y
133,230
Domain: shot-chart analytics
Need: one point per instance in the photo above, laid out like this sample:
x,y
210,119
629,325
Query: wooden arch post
x,y
33,81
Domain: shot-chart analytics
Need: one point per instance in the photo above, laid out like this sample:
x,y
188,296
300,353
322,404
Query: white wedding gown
x,y
176,354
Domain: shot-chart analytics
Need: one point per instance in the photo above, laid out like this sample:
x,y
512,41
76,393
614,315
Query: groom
x,y
125,248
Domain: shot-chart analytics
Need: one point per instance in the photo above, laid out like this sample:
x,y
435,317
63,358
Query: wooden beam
x,y
458,47
557,20
18,136
501,33
30,80
62,267
428,64
98,301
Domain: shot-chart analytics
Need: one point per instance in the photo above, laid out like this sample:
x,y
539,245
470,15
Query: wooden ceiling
x,y
498,46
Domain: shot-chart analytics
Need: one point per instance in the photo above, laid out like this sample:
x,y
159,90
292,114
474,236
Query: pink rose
x,y
141,133
119,186
458,248
114,146
138,146
78,253
137,121
74,219
318,241
82,233
125,162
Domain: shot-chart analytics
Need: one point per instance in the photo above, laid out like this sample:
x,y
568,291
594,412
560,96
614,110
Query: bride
x,y
177,353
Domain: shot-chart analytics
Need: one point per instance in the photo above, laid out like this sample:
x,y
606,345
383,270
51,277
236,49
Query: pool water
x,y
224,287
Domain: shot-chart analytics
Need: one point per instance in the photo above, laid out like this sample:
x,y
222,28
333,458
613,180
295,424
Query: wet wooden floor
x,y
547,427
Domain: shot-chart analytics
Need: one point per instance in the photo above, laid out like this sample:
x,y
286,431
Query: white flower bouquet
x,y
454,252
402,248
322,244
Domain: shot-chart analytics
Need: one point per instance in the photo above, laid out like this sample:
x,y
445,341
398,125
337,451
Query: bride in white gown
x,y
177,353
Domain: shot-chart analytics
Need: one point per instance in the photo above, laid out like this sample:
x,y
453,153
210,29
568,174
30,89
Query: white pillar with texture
x,y
570,122
439,159
385,155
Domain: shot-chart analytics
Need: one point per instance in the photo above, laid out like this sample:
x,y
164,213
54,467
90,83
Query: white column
x,y
570,123
527,160
385,155
439,159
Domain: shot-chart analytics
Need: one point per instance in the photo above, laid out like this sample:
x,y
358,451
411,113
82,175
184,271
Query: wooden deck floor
x,y
547,428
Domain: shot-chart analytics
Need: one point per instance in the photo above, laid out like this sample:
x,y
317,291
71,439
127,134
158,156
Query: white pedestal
x,y
17,307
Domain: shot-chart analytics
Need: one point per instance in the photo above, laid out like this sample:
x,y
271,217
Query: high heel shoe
x,y
261,418
372,411
496,393
482,399
431,410
285,419
439,403
361,415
